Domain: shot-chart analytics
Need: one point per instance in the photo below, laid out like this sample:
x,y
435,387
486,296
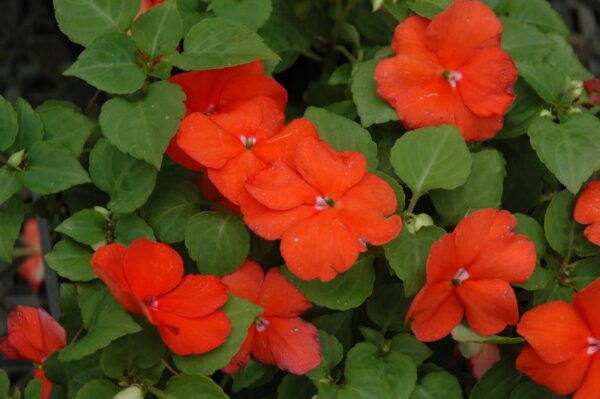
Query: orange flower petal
x,y
34,334
592,232
231,178
278,297
562,378
32,270
179,156
474,127
246,281
587,208
590,389
282,146
294,344
442,263
31,234
38,372
489,305
409,36
555,331
586,304
261,348
196,296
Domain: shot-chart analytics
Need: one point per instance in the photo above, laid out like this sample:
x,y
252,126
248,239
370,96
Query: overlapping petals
x,y
450,70
587,211
148,278
278,336
324,208
563,344
469,272
32,268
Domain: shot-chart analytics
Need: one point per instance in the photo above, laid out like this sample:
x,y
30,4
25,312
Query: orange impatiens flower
x,y
148,278
450,70
32,268
587,211
33,335
469,272
278,336
324,208
213,92
563,344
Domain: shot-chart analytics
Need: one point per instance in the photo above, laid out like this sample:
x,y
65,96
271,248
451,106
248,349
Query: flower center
x,y
261,324
323,202
248,141
151,302
460,276
593,345
452,77
210,109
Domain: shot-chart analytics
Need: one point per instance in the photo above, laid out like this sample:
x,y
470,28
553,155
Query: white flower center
x,y
460,276
453,77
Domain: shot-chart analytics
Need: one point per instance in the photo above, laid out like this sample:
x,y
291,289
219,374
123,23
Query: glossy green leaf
x,y
158,31
11,219
31,129
553,291
570,150
127,180
97,389
132,227
428,8
463,333
217,43
33,389
532,229
73,375
407,255
430,158
438,384
109,63
217,241
342,134
387,307
84,20
409,345
9,183
332,353
132,353
193,387
252,13
371,108
524,42
540,14
71,260
251,373
9,126
585,271
87,227
347,291
144,127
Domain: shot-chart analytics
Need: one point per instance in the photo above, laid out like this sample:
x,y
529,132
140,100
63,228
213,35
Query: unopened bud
x,y
574,110
376,4
103,211
546,113
15,160
423,220
132,392
576,88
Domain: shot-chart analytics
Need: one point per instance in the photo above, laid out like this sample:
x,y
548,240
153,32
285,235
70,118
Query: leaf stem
x,y
169,367
413,202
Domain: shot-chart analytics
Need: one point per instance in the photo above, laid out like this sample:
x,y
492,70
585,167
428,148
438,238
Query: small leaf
x,y
217,241
193,386
524,42
531,390
252,13
11,219
9,125
371,108
295,387
497,382
31,129
130,228
522,112
4,384
347,291
428,8
462,333
33,390
438,384
585,271
532,229
9,183
143,128
97,389
109,63
251,373
216,43
86,226
71,260
409,345
332,354
158,30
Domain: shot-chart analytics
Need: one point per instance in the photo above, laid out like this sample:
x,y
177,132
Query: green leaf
x,y
553,291
409,345
84,20
251,373
11,219
332,354
371,108
193,387
143,128
71,260
4,384
585,271
252,13
87,227
532,229
216,43
497,382
104,320
531,390
242,314
438,384
127,180
428,8
524,42
9,183
130,228
339,324
570,150
158,31
97,389
131,354
522,112
430,158
565,235
483,188
347,291
387,307
342,134
174,201
217,241
295,387
33,390
109,63
540,14
52,169
463,333
398,191
407,255
72,374
70,315
31,129
9,126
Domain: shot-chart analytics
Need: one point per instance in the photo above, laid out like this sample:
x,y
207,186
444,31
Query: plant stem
x,y
169,367
413,202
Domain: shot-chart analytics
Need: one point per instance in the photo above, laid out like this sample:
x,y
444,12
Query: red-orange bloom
x,y
32,268
148,278
33,335
469,271
587,211
217,91
592,86
564,340
148,4
324,209
450,70
278,336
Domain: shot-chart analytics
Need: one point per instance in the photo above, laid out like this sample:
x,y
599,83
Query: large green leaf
x,y
438,384
430,158
127,180
217,43
252,13
371,108
144,127
31,129
217,241
348,290
9,126
104,320
407,255
87,227
158,30
343,134
540,14
193,387
71,260
9,183
242,314
84,20
483,188
570,150
524,42
73,375
109,63
11,219
531,390
585,271
522,112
